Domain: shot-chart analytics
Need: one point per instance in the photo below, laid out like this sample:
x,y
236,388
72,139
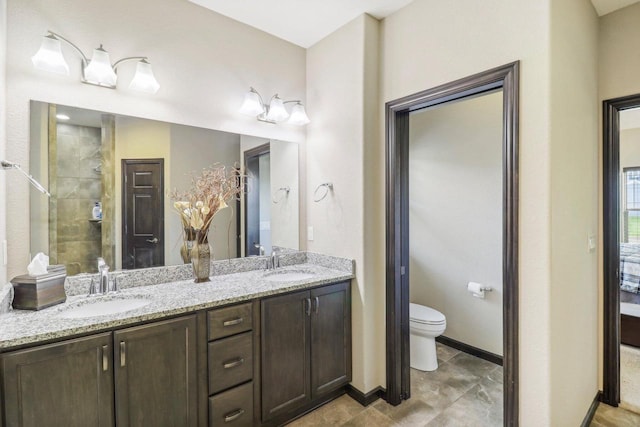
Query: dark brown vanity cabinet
x,y
231,366
63,384
139,376
155,374
305,348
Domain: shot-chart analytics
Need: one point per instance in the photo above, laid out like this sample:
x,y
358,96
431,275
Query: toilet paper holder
x,y
478,289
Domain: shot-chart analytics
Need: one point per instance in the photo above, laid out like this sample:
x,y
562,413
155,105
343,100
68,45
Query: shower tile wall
x,y
79,186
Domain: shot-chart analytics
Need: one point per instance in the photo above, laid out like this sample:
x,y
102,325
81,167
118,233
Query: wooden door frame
x,y
505,77
611,242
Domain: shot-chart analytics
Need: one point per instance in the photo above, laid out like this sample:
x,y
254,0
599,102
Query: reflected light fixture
x,y
98,70
275,111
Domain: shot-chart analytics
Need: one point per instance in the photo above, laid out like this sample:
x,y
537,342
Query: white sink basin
x,y
103,308
287,276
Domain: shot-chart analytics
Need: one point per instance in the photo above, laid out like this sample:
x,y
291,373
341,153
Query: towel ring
x,y
286,193
328,186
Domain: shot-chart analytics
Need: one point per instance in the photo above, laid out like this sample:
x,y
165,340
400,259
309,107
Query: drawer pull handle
x,y
233,363
308,306
123,354
232,416
233,322
317,304
105,358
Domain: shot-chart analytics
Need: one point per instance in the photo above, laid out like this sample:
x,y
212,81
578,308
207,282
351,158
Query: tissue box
x,y
38,292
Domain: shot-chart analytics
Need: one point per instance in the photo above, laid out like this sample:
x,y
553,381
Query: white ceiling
x,y
301,22
306,22
607,6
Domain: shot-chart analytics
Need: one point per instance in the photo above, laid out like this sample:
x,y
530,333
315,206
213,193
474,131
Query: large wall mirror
x,y
87,157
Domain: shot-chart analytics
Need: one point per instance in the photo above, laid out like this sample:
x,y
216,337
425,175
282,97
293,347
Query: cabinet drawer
x,y
230,361
232,408
229,321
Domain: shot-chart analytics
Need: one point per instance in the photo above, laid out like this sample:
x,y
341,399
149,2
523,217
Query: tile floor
x,y
630,378
608,416
463,391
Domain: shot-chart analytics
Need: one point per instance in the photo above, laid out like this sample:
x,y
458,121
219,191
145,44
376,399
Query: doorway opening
x,y
621,251
257,201
397,226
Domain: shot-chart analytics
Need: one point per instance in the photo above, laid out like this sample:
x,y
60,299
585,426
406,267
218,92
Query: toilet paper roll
x,y
476,289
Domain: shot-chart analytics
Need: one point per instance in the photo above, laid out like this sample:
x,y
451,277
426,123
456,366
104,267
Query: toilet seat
x,y
425,315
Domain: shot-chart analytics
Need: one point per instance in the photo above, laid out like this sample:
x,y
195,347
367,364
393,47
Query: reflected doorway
x,y
258,200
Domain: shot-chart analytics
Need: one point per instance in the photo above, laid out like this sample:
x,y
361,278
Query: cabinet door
x,y
155,374
330,338
63,384
285,353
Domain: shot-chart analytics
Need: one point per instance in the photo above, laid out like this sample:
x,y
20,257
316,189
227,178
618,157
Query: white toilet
x,y
425,325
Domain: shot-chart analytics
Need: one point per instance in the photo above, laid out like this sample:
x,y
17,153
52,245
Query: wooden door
x,y
285,353
155,374
142,213
63,384
330,338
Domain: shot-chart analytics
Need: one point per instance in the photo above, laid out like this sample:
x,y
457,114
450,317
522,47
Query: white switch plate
x,y
310,233
591,243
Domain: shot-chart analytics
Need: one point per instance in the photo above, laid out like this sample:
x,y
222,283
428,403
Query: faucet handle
x,y
93,286
113,284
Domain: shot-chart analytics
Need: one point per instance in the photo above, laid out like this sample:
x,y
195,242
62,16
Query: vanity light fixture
x,y
5,164
96,71
275,111
62,117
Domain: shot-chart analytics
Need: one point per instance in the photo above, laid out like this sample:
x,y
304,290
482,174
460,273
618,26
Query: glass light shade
x,y
49,56
144,80
298,115
277,111
99,71
252,105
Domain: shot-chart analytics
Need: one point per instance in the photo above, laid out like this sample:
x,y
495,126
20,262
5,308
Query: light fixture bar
x,y
274,112
98,70
10,165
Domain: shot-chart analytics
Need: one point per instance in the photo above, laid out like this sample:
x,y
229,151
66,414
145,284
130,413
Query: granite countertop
x,y
21,327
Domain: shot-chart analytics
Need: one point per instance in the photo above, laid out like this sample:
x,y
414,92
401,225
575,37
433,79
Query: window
x,y
631,205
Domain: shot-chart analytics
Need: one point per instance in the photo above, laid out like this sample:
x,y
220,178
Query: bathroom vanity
x,y
247,349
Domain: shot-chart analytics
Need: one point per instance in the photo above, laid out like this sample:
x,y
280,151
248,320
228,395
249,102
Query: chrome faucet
x,y
103,285
273,261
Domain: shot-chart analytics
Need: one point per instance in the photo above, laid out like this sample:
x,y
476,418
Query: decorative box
x,y
38,292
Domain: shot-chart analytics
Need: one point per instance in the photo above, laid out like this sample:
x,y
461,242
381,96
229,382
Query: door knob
x,y
154,240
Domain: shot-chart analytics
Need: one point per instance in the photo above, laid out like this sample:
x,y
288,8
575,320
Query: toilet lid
x,y
421,314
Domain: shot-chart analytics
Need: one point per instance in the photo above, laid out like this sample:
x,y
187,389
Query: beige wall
x,y
629,148
193,149
455,216
141,139
574,210
285,221
341,89
203,72
3,137
618,65
494,32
